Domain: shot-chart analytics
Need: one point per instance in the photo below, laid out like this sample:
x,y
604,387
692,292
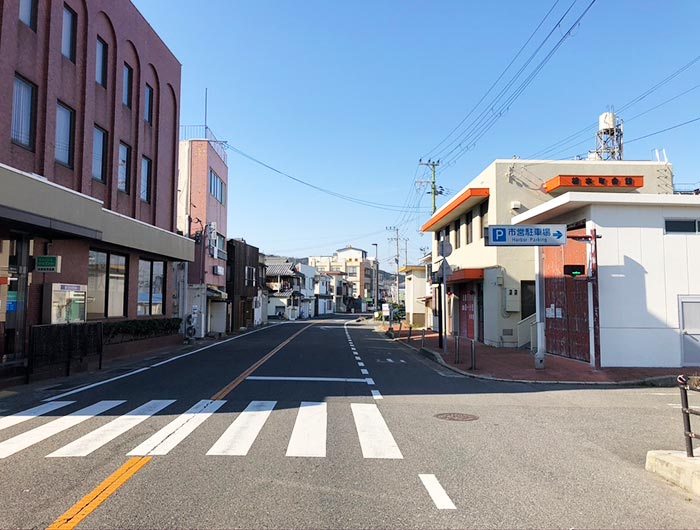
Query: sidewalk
x,y
513,364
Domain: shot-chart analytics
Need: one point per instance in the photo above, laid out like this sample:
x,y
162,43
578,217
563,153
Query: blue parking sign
x,y
499,234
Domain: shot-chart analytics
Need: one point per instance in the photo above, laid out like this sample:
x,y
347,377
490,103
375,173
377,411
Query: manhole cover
x,y
456,416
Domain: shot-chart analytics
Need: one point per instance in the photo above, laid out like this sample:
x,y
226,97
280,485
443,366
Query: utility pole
x,y
376,277
405,251
432,164
396,238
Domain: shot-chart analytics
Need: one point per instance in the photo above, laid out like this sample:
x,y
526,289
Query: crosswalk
x,y
308,438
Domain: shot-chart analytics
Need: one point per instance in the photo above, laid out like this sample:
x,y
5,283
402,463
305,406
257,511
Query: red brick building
x,y
203,184
89,109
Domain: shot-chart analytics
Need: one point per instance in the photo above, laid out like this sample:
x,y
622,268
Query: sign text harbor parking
x,y
527,235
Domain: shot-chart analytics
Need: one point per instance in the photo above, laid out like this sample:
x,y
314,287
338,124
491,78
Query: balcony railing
x,y
202,132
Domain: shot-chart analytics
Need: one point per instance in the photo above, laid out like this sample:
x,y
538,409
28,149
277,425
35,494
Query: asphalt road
x,y
337,428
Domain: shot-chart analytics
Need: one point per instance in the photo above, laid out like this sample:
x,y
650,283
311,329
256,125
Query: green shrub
x,y
128,330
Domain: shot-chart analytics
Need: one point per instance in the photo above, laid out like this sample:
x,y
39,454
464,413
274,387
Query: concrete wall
x,y
642,273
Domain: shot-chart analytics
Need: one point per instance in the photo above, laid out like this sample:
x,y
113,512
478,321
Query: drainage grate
x,y
456,416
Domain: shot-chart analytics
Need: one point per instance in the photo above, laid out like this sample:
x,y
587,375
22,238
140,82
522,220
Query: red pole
x,y
596,301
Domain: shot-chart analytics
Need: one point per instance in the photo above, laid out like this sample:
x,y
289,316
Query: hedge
x,y
127,330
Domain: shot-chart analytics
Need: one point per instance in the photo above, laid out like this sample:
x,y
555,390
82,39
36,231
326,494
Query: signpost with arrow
x,y
527,235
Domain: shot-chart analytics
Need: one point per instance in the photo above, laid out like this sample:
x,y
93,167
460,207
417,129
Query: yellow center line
x,y
221,394
101,493
88,504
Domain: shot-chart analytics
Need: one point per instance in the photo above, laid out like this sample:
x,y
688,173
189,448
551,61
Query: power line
x,y
663,130
429,153
362,202
555,146
481,128
489,109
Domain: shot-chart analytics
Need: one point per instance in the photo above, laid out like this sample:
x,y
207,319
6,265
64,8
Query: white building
x,y
308,290
324,295
415,294
491,295
648,288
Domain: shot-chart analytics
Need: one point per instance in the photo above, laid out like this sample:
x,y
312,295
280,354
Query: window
x,y
124,168
65,132
686,226
106,285
469,227
484,212
527,298
27,13
250,276
24,113
99,154
101,63
148,107
151,287
146,167
69,29
458,241
352,271
217,188
128,82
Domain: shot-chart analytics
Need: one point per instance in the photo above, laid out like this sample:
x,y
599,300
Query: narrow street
x,y
335,428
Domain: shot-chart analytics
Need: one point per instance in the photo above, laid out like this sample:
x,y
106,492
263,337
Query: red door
x,y
466,310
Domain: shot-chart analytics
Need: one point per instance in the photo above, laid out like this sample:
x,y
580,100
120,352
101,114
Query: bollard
x,y
457,349
683,385
422,340
473,354
410,329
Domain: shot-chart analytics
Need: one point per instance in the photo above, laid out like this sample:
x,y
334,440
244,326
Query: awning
x,y
466,275
215,294
456,207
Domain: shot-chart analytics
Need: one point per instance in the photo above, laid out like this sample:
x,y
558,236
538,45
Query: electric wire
x,y
493,85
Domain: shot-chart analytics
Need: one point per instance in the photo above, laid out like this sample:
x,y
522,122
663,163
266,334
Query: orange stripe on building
x,y
577,182
469,193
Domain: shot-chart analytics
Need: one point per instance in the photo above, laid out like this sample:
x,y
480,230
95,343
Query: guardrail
x,y
686,383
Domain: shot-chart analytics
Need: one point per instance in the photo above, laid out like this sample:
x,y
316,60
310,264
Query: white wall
x,y
642,272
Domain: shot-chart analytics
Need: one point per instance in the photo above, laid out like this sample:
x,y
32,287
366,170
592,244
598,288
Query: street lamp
x,y
376,277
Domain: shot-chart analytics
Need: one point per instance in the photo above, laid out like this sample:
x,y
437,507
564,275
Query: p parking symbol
x,y
499,234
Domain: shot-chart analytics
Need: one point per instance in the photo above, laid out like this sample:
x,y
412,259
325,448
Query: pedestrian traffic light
x,y
574,270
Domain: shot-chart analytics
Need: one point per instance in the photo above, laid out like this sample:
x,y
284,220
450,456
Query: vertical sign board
x,y
527,235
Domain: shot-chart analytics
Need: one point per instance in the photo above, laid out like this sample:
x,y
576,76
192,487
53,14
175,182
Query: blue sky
x,y
349,95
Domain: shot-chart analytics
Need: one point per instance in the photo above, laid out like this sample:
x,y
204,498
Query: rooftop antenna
x,y
205,109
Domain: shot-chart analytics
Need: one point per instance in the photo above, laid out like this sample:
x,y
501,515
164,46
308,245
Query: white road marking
x,y
437,493
361,364
38,434
390,360
662,393
369,381
129,374
166,439
309,433
375,438
20,417
92,441
326,379
239,437
364,372
376,394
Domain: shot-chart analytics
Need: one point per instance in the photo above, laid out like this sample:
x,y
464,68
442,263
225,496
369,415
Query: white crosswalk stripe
x,y
239,437
15,419
308,439
375,437
29,438
94,440
309,433
166,439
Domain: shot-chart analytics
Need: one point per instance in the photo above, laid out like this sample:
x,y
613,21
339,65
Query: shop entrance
x,y
14,282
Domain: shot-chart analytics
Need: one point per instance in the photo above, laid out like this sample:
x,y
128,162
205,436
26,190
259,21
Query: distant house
x,y
284,289
308,294
324,295
243,284
415,294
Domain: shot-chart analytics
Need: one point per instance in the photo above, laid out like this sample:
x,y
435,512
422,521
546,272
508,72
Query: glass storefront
x,y
14,282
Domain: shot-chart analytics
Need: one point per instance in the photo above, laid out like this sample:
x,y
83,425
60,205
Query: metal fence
x,y
56,345
202,132
686,383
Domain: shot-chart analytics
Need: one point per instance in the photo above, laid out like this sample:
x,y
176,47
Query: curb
x,y
676,468
662,380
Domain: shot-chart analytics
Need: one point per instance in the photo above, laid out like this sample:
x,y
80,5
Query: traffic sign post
x,y
527,235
